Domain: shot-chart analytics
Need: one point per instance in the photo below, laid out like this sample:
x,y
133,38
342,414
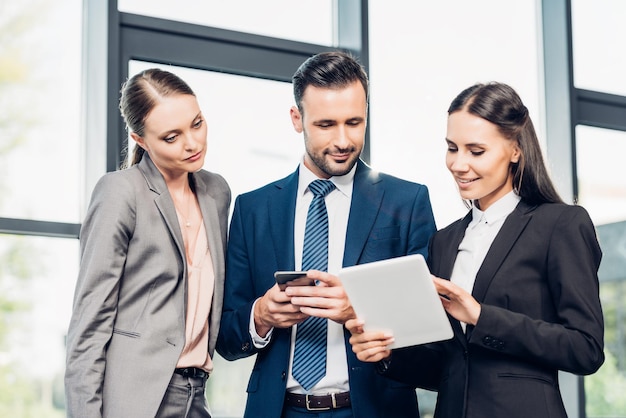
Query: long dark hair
x,y
139,95
499,104
334,69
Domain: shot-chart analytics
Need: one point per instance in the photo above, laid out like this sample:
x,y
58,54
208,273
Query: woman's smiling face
x,y
479,158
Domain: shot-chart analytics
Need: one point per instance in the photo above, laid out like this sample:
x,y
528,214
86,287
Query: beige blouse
x,y
200,282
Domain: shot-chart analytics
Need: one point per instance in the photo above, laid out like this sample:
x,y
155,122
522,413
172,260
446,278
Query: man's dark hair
x,y
328,70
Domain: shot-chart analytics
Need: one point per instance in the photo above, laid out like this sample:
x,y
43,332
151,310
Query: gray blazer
x,y
127,329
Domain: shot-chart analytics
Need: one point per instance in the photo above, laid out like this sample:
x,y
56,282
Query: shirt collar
x,y
342,183
498,210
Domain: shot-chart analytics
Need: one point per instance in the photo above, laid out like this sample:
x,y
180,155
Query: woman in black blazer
x,y
517,276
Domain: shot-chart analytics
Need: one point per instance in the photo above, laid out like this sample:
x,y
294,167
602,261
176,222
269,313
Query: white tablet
x,y
397,295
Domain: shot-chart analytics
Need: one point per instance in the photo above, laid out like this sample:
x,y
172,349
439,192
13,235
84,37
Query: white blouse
x,y
479,236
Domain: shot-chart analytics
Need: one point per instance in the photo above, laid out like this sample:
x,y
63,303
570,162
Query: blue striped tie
x,y
309,359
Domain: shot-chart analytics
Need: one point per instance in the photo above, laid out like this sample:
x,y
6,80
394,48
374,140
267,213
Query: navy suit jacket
x,y
540,313
388,218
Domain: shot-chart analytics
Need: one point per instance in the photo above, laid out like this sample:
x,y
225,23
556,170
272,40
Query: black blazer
x,y
539,294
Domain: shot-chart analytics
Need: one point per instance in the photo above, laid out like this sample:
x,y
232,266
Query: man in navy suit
x,y
371,216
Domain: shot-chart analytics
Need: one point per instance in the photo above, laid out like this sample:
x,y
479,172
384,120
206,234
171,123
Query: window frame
x,y
566,107
200,47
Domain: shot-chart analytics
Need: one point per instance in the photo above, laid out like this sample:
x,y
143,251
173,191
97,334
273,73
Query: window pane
x,y
306,21
422,55
601,181
250,142
603,194
40,50
37,278
598,33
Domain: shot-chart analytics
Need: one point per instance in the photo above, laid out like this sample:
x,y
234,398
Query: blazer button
x,y
283,375
245,346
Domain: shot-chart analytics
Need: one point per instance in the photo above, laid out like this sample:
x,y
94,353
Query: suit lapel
x,y
367,194
281,210
449,246
513,226
163,200
210,216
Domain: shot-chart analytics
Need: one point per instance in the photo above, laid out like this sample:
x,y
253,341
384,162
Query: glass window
x,y
421,56
599,63
602,191
40,50
599,165
37,278
306,21
251,142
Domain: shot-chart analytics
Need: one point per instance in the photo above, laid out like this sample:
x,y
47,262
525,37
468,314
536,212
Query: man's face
x,y
333,122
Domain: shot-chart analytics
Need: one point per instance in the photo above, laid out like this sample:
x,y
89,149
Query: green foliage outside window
x,y
605,389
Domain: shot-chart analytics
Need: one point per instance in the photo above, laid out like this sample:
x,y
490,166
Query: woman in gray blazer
x,y
148,298
517,275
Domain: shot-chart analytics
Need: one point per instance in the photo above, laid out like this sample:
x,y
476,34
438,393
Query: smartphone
x,y
292,278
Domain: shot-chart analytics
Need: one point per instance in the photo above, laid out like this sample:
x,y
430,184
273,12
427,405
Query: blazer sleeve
x,y
234,339
422,223
418,366
573,340
104,239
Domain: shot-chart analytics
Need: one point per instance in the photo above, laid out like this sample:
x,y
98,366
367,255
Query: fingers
x,y
371,346
323,278
370,339
457,301
277,296
444,287
275,310
355,326
327,285
373,355
335,310
449,290
327,300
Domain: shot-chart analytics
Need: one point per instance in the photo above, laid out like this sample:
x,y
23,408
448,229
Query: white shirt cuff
x,y
258,341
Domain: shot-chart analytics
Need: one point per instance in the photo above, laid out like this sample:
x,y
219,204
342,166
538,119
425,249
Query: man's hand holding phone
x,y
327,300
292,278
274,308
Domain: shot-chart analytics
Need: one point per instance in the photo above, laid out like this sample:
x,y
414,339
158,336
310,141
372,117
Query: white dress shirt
x,y
338,208
479,236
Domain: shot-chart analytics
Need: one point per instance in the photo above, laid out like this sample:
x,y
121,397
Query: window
x,y
40,194
37,281
599,110
422,55
40,110
307,21
599,61
602,191
599,167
